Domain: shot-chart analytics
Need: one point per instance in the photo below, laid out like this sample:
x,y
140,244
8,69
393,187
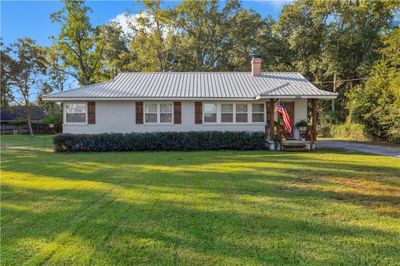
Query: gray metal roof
x,y
197,85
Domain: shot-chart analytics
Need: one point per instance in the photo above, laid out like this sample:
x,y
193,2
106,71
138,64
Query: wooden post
x,y
278,131
272,120
314,121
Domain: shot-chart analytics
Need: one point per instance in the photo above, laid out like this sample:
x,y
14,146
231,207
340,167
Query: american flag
x,y
286,119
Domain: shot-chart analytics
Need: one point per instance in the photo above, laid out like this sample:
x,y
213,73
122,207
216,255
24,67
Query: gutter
x,y
323,97
58,99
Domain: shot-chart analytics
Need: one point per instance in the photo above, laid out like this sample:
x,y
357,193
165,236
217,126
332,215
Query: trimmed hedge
x,y
160,141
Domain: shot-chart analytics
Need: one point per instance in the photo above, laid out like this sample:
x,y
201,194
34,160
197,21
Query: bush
x,y
348,130
324,131
54,117
326,122
160,141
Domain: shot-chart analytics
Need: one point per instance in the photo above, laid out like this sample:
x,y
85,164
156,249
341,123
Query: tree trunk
x,y
334,90
30,124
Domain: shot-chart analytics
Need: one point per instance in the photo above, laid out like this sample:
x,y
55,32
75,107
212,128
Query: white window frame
x,y
221,113
234,122
75,123
251,115
247,113
172,113
158,113
218,111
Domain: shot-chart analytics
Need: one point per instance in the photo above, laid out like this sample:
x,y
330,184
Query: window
x,y
258,112
150,113
226,113
241,113
158,113
75,112
166,113
210,113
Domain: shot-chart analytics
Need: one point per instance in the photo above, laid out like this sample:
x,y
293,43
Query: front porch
x,y
303,134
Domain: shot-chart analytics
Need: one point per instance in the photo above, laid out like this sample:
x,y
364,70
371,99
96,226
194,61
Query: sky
x,y
32,18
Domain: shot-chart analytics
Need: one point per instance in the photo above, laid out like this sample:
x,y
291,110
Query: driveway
x,y
360,147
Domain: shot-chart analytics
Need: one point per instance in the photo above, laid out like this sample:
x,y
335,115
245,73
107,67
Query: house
x,y
13,120
187,101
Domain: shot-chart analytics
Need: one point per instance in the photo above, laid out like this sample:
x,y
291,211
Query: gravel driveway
x,y
360,147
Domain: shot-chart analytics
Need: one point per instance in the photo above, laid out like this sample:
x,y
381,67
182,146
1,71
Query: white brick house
x,y
186,101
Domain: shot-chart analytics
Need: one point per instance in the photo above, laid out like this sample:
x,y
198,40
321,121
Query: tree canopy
x,y
335,44
23,62
376,104
79,46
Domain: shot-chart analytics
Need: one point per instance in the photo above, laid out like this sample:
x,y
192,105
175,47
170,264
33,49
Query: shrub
x,y
160,141
327,120
324,130
54,117
349,130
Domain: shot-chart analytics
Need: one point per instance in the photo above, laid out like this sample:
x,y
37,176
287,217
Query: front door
x,y
290,109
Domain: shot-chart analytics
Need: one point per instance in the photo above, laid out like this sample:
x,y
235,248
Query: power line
x,y
344,80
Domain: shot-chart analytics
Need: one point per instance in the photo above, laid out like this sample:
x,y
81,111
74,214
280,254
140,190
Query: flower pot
x,y
271,145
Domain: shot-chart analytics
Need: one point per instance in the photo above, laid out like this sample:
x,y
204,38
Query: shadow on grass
x,y
197,207
99,220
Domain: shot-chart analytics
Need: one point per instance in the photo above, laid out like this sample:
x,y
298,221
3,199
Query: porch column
x,y
272,120
314,121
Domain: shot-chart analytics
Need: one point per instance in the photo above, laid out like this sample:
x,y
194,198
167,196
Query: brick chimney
x,y
256,65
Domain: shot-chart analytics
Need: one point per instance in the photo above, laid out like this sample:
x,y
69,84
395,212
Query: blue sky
x,y
32,18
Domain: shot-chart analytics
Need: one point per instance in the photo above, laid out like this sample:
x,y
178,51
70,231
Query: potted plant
x,y
273,141
271,145
302,127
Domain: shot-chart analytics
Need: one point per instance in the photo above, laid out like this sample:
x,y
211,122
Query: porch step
x,y
294,145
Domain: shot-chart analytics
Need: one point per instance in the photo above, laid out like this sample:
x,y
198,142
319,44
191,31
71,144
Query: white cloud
x,y
125,21
129,22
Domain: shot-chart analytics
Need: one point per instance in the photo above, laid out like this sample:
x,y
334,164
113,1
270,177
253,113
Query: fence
x,y
8,128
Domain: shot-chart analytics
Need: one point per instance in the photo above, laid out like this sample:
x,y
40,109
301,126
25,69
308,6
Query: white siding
x,y
119,117
300,113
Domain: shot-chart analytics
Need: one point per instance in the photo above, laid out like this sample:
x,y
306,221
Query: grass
x,y
197,208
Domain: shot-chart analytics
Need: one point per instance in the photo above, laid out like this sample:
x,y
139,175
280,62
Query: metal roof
x,y
19,112
197,85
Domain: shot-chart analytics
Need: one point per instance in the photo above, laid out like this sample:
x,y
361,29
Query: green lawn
x,y
204,208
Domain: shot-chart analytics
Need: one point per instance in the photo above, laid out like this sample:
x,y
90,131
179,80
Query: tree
x,y
353,41
27,64
203,32
245,33
5,65
153,35
377,103
272,48
334,40
116,56
302,28
80,49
